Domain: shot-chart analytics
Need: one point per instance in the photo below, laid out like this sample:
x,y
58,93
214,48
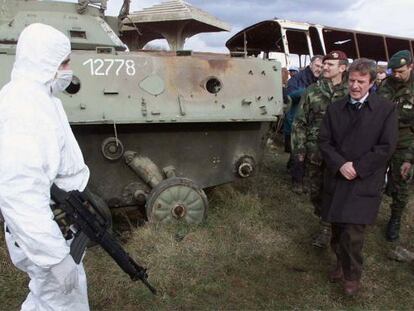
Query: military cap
x,y
339,55
400,59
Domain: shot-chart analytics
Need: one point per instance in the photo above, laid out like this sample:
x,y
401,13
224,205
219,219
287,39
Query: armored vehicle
x,y
155,127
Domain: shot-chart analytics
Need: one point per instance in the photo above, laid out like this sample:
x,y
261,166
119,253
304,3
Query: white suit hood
x,y
36,58
37,147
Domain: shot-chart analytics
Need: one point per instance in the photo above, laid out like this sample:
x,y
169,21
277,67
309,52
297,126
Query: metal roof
x,y
178,10
267,36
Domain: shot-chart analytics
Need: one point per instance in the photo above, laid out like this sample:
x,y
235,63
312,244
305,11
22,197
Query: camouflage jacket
x,y
313,105
402,94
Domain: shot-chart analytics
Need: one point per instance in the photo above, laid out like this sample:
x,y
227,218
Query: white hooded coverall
x,y
38,148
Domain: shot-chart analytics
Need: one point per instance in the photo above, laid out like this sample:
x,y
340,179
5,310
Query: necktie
x,y
357,106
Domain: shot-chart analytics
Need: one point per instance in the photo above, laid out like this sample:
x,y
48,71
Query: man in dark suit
x,y
357,138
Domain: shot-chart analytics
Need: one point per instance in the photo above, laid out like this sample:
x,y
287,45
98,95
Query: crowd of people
x,y
349,129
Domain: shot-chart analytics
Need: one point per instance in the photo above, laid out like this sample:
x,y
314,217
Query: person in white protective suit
x,y
37,149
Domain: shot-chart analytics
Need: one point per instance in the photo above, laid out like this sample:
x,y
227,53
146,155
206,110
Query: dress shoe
x,y
393,228
336,275
351,288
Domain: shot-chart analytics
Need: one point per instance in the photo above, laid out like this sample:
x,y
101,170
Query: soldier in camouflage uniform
x,y
399,88
314,102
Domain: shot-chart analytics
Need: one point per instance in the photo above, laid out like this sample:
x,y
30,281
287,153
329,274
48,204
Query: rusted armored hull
x,y
208,153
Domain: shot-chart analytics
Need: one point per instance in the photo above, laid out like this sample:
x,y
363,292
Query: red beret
x,y
339,55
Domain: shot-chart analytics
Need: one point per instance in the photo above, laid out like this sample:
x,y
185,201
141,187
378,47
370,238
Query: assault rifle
x,y
91,225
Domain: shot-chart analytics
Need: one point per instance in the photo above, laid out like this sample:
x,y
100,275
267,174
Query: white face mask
x,y
61,81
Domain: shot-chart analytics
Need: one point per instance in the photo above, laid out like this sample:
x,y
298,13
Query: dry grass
x,y
253,253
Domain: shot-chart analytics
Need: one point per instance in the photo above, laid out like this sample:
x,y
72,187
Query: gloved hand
x,y
66,273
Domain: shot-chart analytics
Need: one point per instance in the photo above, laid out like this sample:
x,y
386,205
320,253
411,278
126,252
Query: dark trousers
x,y
288,147
347,241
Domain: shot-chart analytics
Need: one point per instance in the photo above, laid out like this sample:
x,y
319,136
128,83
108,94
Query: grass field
x,y
253,253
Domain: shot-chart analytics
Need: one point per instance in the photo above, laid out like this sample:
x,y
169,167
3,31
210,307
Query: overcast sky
x,y
393,17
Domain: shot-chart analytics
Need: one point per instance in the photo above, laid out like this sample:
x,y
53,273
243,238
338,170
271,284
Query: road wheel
x,y
176,200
